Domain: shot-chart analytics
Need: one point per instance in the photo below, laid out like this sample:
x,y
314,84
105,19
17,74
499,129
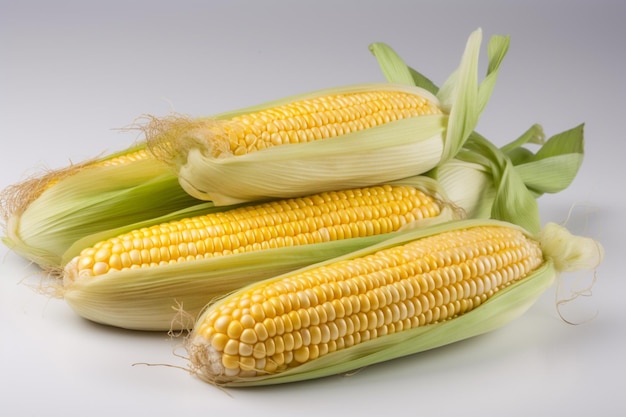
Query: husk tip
x,y
569,252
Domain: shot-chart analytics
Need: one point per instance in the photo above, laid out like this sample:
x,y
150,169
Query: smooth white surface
x,y
74,72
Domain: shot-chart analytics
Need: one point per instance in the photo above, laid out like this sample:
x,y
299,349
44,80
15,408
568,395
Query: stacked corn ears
x,y
315,234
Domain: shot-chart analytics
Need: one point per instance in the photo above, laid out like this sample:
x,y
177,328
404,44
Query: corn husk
x,y
45,215
562,252
513,177
396,150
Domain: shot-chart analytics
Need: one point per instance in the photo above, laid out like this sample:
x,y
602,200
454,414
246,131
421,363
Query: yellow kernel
x,y
234,329
279,344
259,350
230,361
245,349
288,341
231,347
218,341
221,323
100,268
301,355
85,262
278,359
248,336
247,321
102,255
270,347
247,363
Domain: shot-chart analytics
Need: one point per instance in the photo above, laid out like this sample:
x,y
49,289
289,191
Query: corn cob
x,y
319,218
420,291
193,260
322,116
346,137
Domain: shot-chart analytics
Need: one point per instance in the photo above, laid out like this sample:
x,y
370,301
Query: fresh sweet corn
x,y
224,158
422,290
144,273
485,184
344,137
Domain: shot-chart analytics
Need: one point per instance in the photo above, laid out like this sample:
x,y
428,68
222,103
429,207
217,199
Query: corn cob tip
x,y
69,273
204,360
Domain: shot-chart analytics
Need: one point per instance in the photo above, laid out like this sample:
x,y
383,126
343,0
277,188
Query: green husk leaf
x,y
513,176
463,99
496,50
513,202
469,185
534,135
556,163
392,66
422,81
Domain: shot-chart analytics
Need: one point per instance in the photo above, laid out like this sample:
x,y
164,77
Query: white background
x,y
73,72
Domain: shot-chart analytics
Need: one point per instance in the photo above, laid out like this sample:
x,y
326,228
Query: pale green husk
x,y
519,176
155,298
41,222
510,178
396,150
562,251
